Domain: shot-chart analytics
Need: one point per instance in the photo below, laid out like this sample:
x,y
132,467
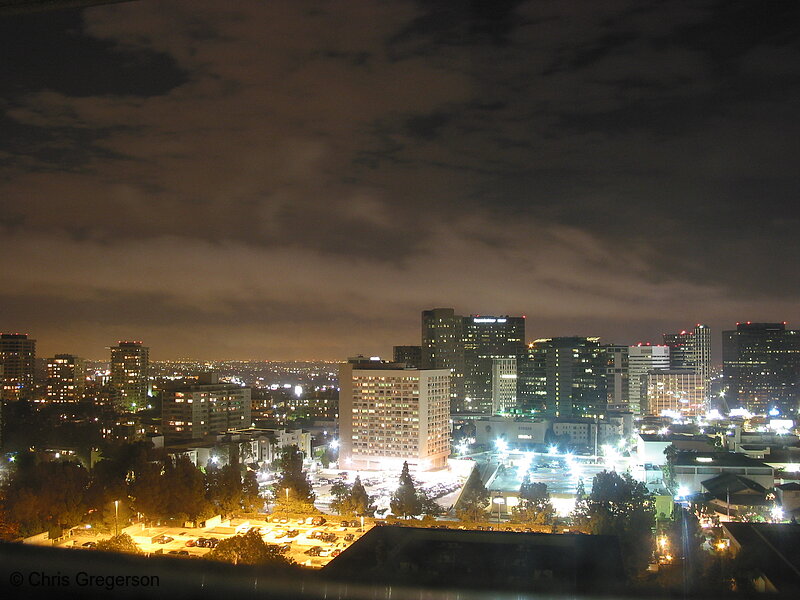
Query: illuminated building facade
x,y
691,350
761,367
66,378
565,376
504,385
18,358
675,392
130,374
642,359
486,338
390,414
194,411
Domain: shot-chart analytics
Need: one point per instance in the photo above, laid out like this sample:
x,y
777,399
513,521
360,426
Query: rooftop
x,y
717,459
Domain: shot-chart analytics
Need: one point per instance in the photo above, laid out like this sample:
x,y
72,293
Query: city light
x,y
501,445
553,449
333,444
777,513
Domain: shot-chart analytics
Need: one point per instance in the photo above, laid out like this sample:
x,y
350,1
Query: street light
x,y
116,517
287,494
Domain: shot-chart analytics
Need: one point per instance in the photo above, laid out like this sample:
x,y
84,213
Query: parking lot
x,y
306,544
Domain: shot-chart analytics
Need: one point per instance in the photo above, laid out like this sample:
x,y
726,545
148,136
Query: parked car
x,y
190,543
212,542
349,537
163,539
336,553
89,545
179,552
314,551
317,521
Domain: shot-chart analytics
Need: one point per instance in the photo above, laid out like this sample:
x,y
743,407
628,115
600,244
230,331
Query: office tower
x,y
702,354
617,377
443,348
389,414
410,355
675,392
18,357
130,374
504,385
642,359
761,367
196,410
565,376
691,350
681,349
66,378
486,338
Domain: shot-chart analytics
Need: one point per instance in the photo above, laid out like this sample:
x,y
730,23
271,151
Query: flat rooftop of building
x,y
675,437
717,459
469,560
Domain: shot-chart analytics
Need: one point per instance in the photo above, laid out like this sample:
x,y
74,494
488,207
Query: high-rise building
x,y
617,377
66,378
691,350
196,410
130,374
675,392
410,355
443,347
486,338
681,349
761,367
642,359
389,414
504,385
18,357
565,376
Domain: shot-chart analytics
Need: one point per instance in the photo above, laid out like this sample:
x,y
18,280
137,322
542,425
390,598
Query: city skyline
x,y
277,180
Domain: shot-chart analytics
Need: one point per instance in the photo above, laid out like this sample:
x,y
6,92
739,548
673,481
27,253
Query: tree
x,y
251,497
119,543
249,549
299,497
430,508
474,499
619,505
535,506
580,514
187,493
405,500
148,495
46,496
668,470
352,499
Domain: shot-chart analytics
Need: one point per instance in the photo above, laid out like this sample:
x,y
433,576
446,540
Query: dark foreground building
x,y
482,560
769,553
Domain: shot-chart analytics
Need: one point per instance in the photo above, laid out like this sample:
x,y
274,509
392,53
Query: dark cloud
x,y
300,179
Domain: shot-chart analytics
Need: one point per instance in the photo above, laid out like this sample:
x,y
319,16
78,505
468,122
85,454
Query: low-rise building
x,y
691,469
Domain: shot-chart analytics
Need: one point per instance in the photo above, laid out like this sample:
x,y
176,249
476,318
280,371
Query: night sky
x,y
298,180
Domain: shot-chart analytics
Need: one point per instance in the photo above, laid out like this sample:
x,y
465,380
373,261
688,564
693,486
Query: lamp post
x,y
116,517
287,495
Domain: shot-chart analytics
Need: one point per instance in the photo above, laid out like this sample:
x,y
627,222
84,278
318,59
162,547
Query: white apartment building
x,y
389,414
642,359
504,384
